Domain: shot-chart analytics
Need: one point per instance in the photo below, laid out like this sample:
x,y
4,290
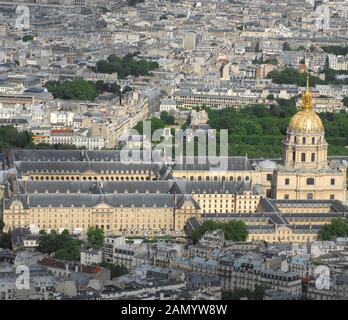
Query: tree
x,y
125,90
345,101
273,61
168,119
292,76
62,245
47,244
115,270
155,125
238,293
95,238
336,50
70,252
10,137
233,230
125,66
77,89
5,241
133,3
337,228
286,46
27,38
2,225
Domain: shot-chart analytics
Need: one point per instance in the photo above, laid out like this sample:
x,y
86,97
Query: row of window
x,y
310,196
304,140
216,178
303,157
61,178
310,181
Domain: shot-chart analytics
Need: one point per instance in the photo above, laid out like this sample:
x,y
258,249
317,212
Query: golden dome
x,y
306,121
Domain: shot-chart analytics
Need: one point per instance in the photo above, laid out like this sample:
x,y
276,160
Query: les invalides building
x,y
306,172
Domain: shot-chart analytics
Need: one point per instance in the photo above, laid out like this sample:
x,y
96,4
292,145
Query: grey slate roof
x,y
132,187
92,200
198,163
82,166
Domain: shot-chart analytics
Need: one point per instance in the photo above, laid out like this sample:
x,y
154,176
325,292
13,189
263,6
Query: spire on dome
x,y
307,98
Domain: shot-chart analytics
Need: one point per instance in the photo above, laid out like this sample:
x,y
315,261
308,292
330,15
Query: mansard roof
x,y
93,200
78,155
83,166
214,164
133,187
32,186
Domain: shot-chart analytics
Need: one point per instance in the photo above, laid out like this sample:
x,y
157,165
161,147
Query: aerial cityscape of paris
x,y
173,150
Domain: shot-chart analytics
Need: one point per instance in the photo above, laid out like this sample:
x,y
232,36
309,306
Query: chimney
x,y
13,180
26,186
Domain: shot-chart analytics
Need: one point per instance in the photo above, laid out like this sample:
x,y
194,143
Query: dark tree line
x,y
125,66
233,230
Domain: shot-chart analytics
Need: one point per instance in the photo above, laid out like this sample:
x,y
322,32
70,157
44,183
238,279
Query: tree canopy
x,y
345,101
125,66
155,124
133,3
77,89
95,238
256,294
258,131
337,228
167,118
10,137
62,245
292,76
233,230
116,270
336,50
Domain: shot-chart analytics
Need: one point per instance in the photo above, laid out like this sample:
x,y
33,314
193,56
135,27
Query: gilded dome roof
x,y
306,121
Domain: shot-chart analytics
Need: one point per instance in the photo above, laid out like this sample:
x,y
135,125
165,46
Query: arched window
x,y
313,140
192,178
231,178
199,178
239,178
304,140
